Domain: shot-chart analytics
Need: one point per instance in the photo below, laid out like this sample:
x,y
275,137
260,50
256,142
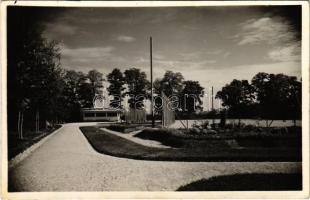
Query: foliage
x,y
170,84
116,87
71,97
238,96
278,95
124,128
269,96
95,79
38,88
137,87
191,97
34,74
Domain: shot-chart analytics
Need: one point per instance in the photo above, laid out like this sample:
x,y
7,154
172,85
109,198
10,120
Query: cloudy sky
x,y
212,45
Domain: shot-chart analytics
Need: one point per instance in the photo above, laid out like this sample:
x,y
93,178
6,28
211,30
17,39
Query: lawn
x,y
247,182
16,145
216,150
188,138
126,128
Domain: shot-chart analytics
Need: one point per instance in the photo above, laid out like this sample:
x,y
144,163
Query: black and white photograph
x,y
146,98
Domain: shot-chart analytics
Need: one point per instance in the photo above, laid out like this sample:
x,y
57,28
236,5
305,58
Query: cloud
x,y
125,38
286,53
61,29
87,53
183,65
271,30
88,57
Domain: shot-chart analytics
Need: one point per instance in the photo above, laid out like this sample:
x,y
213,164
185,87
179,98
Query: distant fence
x,y
135,116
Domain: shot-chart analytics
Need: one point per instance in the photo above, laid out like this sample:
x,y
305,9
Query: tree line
x,y
185,95
268,96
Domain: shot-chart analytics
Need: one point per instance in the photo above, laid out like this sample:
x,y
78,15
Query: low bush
x,y
246,132
123,128
249,127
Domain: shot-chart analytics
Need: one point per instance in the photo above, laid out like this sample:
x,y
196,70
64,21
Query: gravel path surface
x,y
67,162
131,137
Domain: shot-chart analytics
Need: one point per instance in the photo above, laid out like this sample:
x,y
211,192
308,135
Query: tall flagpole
x,y
151,65
212,106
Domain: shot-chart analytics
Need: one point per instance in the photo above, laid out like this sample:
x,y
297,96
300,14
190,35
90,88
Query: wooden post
x,y
151,65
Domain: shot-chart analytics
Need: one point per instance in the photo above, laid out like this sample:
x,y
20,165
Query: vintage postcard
x,y
150,99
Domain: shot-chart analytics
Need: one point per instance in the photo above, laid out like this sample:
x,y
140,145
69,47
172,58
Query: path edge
x,y
21,156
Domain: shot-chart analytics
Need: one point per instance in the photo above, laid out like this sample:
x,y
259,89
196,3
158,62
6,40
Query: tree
x,y
44,79
96,82
34,72
238,96
137,87
171,83
191,96
278,96
116,87
294,99
70,98
89,85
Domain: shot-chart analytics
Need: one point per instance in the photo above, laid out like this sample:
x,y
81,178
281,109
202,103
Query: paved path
x,y
66,162
131,137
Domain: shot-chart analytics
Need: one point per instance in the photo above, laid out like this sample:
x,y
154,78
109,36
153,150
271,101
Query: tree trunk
x,y
21,125
18,125
268,124
37,121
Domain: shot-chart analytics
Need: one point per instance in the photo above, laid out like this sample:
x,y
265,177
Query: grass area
x,y
195,133
16,145
126,128
167,139
111,144
183,138
247,182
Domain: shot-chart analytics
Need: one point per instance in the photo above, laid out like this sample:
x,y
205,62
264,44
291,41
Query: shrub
x,y
123,128
205,125
229,126
249,127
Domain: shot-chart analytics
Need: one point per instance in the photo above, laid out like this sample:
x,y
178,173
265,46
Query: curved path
x,y
67,162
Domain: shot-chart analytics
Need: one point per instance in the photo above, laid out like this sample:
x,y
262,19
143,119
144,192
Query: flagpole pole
x,y
212,99
151,65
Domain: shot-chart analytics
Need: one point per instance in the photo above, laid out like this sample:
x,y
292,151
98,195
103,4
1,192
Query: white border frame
x,y
156,195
